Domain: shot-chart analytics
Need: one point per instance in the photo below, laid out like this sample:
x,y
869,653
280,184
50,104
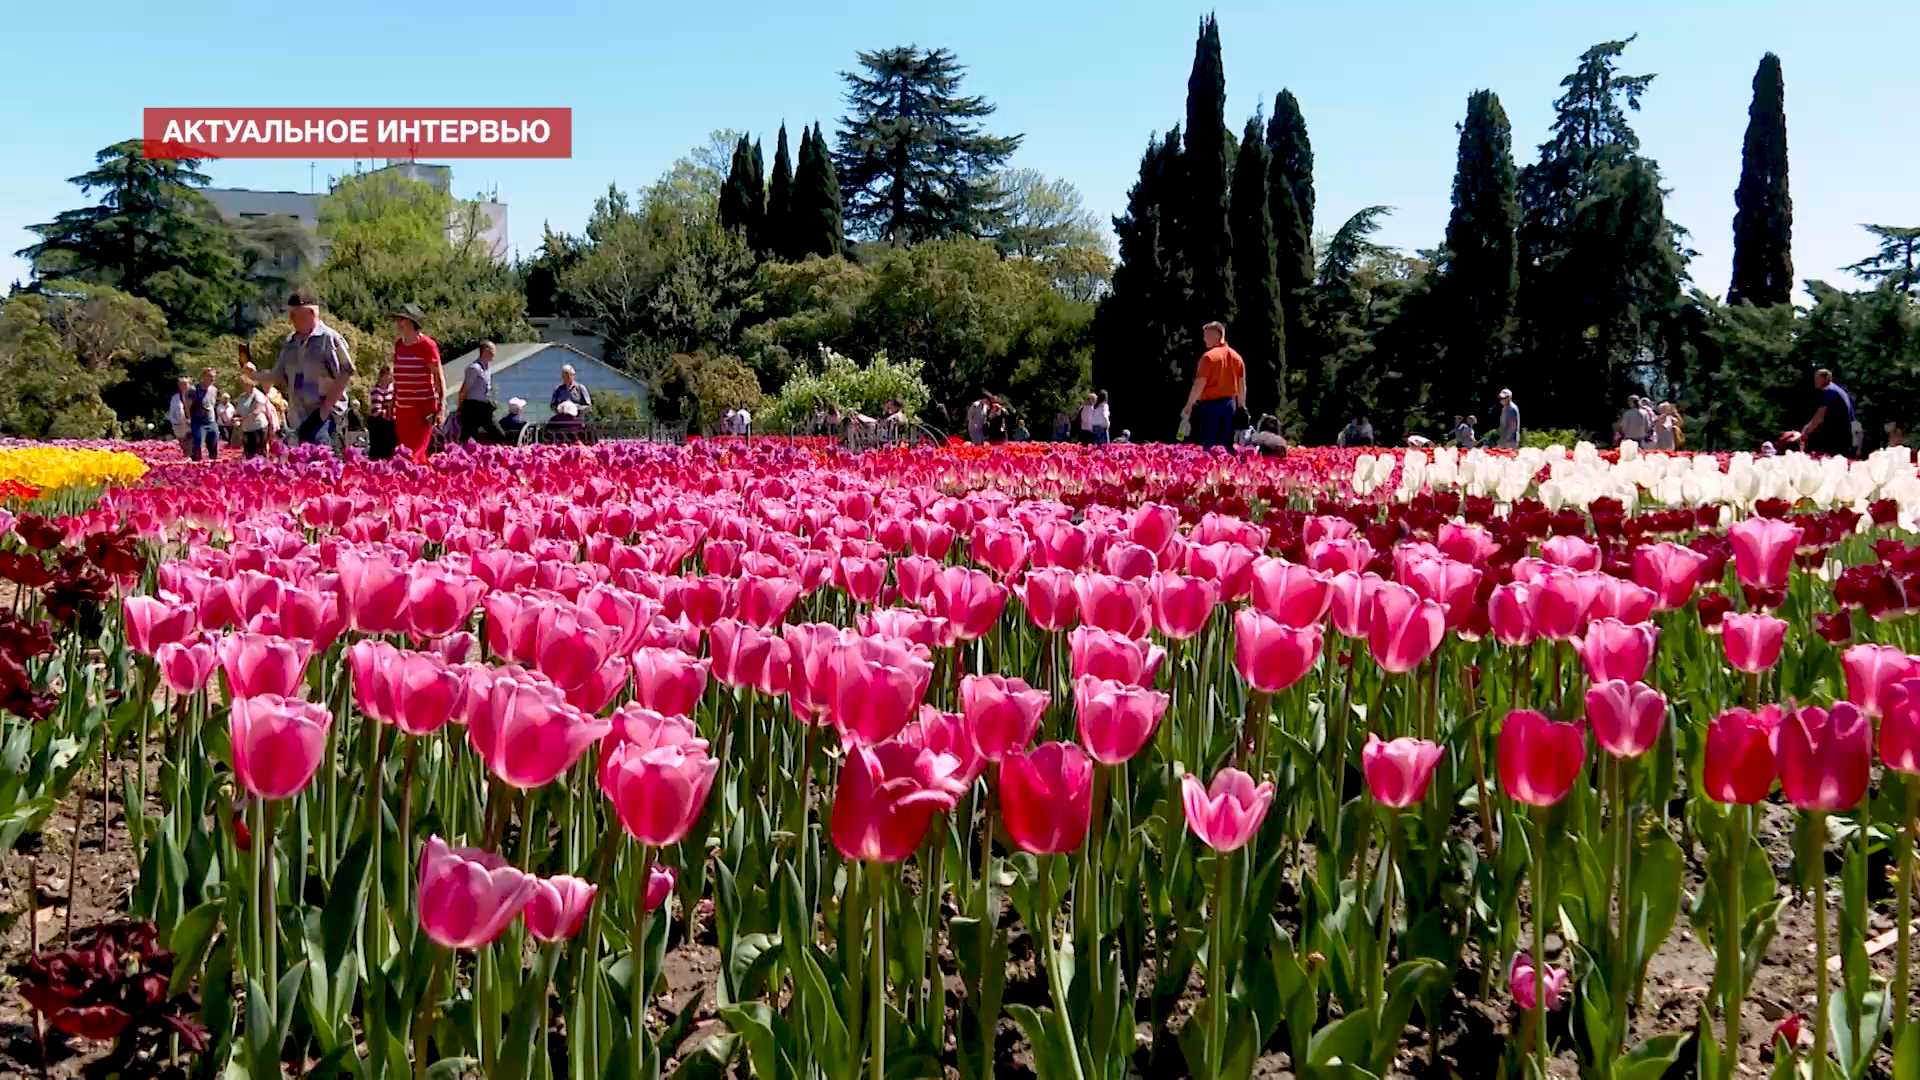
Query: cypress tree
x,y
742,200
1476,278
1258,328
1143,337
1207,240
780,201
1763,211
1290,204
757,195
816,199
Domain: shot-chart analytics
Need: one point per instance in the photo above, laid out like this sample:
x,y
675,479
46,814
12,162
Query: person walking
x,y
203,424
177,414
977,418
254,412
1634,425
419,385
229,422
314,370
476,400
1462,433
1219,390
380,426
1830,430
1666,428
1509,430
1100,420
1358,432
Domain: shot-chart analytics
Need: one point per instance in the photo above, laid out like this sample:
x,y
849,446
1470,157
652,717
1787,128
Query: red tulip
x,y
1002,713
1294,594
1271,655
1046,798
1181,604
1763,550
969,600
558,907
1539,759
1399,772
658,790
1106,655
1825,756
277,743
1404,629
185,666
887,797
1112,603
747,657
468,896
1510,612
1226,813
526,732
1115,720
1752,642
152,622
259,664
1572,552
669,681
1672,571
1048,596
1900,728
1872,671
1738,765
1625,717
1524,981
1352,604
1614,650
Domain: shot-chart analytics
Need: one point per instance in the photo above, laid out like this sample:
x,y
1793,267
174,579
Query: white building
x,y
486,218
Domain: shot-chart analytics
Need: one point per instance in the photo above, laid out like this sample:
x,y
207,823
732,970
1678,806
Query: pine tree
x,y
1290,205
816,199
1143,339
742,200
1258,327
1763,211
757,192
1206,239
1476,279
780,243
914,163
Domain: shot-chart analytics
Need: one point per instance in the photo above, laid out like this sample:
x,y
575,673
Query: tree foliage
x,y
834,380
1259,326
68,349
780,240
1475,280
743,197
1897,262
817,226
1043,220
1763,209
914,161
1145,330
1207,239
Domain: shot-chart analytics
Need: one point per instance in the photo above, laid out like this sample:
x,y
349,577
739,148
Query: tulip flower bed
x,y
760,758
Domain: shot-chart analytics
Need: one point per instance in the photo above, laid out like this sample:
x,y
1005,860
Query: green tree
x,y
1260,326
1045,221
542,274
1290,200
1763,210
914,163
151,234
817,226
743,201
1475,280
779,219
1144,331
1358,338
62,347
1897,262
1205,235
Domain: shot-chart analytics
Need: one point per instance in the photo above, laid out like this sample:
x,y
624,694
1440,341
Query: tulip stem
x,y
1056,982
1734,917
876,880
1903,963
1540,906
1377,982
641,925
988,923
423,1015
1816,836
1216,969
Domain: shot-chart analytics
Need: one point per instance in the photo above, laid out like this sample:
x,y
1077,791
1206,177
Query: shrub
x,y
1545,437
839,382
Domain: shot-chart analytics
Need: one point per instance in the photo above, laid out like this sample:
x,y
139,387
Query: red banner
x,y
359,133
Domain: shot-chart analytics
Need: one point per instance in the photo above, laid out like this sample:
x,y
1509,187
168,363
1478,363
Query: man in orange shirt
x,y
1219,390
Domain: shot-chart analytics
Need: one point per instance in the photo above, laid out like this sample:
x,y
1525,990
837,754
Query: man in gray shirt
x,y
476,399
1509,422
314,370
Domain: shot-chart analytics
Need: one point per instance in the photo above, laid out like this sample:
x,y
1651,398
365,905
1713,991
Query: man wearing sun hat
x,y
418,386
1509,429
314,370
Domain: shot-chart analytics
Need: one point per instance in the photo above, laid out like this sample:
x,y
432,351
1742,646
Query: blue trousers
x,y
1212,422
203,435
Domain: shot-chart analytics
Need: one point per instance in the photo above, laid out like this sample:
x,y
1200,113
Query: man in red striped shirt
x,y
419,389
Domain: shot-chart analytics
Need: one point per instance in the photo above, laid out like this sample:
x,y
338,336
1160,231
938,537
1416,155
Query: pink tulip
x,y
1226,563
1763,550
373,591
1293,594
601,687
1002,713
658,791
558,907
765,601
1226,813
439,599
1048,596
1524,981
887,797
420,693
1335,556
946,733
706,600
1510,612
1271,655
1752,641
1872,671
1404,629
1000,547
1572,552
152,622
1060,543
1106,655
1539,759
1112,603
185,666
1470,544
1181,604
646,730
277,743
1900,728
313,614
1399,772
860,579
1046,798
253,593
569,643
910,625
1738,765
930,539
1612,649
259,664
527,733
1560,604
468,896
1672,571
1617,598
1115,720
1352,603
748,658
1154,526
1825,756
669,681
873,687
1126,559
969,600
660,882
1625,717
1453,585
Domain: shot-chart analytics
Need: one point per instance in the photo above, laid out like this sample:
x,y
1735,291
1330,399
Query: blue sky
x,y
1382,85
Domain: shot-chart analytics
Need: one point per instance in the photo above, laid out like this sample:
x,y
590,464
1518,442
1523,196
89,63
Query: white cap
x,y
516,403
1506,393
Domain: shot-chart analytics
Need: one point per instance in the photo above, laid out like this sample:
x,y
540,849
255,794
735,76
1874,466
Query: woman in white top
x,y
1666,428
1094,419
